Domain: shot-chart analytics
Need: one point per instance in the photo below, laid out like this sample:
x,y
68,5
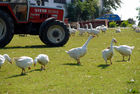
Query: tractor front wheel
x,y
54,33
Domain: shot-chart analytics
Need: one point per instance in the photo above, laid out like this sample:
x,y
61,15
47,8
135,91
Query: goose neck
x,y
111,46
87,27
86,43
91,26
69,26
7,58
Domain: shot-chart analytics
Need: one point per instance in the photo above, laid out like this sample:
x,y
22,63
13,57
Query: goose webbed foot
x,y
42,68
78,62
23,72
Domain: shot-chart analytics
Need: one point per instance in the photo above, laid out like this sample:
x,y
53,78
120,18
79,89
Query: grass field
x,y
63,76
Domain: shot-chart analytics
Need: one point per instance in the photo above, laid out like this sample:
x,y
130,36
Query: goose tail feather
x,y
132,47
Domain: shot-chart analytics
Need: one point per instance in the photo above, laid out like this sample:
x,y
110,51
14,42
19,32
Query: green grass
x,y
63,76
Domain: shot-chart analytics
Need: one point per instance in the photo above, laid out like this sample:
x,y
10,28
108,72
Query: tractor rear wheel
x,y
6,29
54,33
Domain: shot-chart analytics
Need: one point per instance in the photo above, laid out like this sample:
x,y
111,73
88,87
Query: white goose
x,y
77,53
104,28
94,30
3,58
134,26
107,54
72,30
87,29
124,50
137,30
98,27
24,62
42,59
118,30
81,30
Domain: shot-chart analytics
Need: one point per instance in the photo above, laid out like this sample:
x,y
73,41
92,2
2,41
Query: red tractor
x,y
22,17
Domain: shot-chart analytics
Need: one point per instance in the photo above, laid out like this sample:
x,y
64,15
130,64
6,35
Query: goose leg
x,y
110,61
41,67
44,67
23,71
123,59
106,62
129,58
78,61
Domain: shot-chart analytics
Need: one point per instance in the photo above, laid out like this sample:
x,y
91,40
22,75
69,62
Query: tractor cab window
x,y
20,9
4,0
33,2
18,1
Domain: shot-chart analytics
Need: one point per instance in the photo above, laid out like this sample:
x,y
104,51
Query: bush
x,y
124,24
112,24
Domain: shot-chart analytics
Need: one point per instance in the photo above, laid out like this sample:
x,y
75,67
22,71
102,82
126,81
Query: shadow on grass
x,y
72,64
103,66
121,61
17,75
35,70
29,46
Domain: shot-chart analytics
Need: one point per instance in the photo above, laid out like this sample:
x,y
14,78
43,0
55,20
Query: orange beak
x,y
108,47
115,41
11,62
94,35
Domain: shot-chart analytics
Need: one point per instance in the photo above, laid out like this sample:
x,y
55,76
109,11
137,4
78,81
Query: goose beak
x,y
94,35
115,41
11,62
108,47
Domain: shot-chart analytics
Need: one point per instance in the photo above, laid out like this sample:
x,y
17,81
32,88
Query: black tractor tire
x,y
6,29
54,33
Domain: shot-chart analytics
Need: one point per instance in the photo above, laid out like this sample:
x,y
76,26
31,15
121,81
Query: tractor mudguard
x,y
47,21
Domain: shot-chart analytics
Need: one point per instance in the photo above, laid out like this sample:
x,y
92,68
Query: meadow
x,y
64,76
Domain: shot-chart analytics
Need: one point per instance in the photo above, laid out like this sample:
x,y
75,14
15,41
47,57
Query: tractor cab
x,y
32,11
20,9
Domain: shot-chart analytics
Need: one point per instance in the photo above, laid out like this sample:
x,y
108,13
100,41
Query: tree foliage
x,y
82,10
113,24
131,21
138,17
108,5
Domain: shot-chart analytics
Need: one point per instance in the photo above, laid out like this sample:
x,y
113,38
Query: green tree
x,y
71,12
138,17
108,5
82,10
91,9
131,21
